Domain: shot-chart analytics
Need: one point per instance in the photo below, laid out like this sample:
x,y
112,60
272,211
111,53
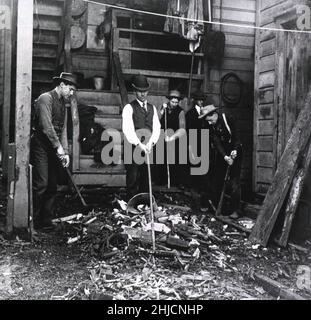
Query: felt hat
x,y
140,83
68,77
198,95
174,94
207,110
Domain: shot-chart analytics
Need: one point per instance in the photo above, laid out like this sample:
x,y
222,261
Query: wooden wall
x,y
267,98
239,58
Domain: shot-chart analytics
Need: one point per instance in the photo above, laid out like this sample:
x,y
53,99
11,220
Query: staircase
x,y
47,43
108,115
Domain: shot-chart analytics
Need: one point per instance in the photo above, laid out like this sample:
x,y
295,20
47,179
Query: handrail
x,y
120,78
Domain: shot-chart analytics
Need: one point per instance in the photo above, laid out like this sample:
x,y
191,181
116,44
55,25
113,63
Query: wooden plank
x,y
109,180
6,91
265,144
283,177
267,48
76,134
10,188
294,197
266,112
67,44
266,79
265,127
23,110
275,288
266,96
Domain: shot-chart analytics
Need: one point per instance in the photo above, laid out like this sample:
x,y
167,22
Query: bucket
x,y
141,198
98,82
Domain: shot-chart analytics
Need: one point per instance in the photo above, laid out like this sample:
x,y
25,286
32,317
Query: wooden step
x,y
111,122
43,64
47,23
88,165
46,36
44,51
109,180
49,8
92,97
107,110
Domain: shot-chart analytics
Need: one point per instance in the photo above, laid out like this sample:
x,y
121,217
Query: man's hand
x,y
229,160
66,161
234,154
169,139
149,146
143,147
60,151
164,107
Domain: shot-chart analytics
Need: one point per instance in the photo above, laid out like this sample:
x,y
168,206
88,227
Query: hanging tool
x,y
167,164
222,196
151,203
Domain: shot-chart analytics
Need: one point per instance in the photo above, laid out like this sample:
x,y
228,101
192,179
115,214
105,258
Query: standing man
x,y
172,117
226,151
49,146
138,115
194,123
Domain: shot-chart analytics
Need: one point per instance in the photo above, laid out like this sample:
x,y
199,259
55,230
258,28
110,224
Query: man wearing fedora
x,y
172,117
226,150
49,146
139,115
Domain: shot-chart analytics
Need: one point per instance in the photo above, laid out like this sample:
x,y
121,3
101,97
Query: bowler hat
x,y
174,94
198,95
208,110
68,77
140,83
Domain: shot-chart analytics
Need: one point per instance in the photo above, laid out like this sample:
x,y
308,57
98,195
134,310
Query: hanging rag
x,y
195,26
176,8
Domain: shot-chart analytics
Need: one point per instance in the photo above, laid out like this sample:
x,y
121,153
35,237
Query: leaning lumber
x,y
294,196
283,177
275,288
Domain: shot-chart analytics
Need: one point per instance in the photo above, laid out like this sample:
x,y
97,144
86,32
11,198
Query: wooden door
x,y
293,52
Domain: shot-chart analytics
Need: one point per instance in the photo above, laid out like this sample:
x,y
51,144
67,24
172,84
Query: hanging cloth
x,y
195,26
176,8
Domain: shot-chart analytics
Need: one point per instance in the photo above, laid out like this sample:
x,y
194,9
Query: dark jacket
x,y
50,119
224,136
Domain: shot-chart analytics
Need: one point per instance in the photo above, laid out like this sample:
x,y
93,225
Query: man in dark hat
x,y
49,146
194,123
172,117
139,115
226,150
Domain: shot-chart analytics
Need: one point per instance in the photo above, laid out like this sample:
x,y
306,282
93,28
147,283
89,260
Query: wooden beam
x,y
294,197
284,175
75,134
7,23
119,74
23,110
10,189
67,44
276,289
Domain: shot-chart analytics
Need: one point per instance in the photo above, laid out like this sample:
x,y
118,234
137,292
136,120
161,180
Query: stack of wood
x,y
288,182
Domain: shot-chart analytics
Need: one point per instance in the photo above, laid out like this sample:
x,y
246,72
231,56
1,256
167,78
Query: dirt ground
x,y
52,269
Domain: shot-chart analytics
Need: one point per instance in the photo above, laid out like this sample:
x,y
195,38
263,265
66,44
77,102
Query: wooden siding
x,y
265,155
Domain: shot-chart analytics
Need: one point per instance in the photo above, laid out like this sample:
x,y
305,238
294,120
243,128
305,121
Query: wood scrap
x,y
275,288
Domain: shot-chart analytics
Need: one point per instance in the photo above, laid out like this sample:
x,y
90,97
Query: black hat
x,y
67,77
198,95
140,83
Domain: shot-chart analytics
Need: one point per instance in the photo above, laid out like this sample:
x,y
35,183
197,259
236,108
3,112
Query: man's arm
x,y
156,127
128,125
43,109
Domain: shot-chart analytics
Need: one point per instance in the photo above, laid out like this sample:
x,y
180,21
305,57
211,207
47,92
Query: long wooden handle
x,y
76,188
220,204
167,164
151,203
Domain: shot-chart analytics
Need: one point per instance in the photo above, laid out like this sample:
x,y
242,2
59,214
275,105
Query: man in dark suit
x,y
226,151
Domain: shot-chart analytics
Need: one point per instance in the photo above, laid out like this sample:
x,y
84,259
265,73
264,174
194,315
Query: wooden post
x,y
284,176
76,132
6,25
10,189
23,110
67,44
